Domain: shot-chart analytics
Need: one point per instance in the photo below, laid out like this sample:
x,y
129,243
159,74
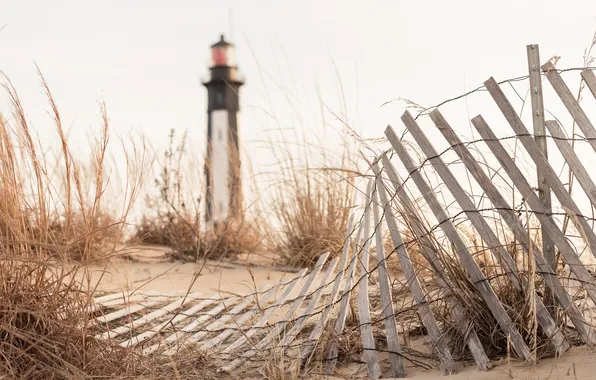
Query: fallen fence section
x,y
308,317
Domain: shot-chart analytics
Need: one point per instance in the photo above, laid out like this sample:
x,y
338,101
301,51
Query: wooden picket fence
x,y
272,320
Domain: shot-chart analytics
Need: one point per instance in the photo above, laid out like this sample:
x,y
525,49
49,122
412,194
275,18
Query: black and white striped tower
x,y
222,169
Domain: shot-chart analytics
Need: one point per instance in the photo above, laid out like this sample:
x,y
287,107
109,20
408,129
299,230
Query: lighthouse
x,y
223,196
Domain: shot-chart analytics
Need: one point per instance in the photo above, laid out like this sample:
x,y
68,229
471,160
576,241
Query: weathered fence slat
x,y
181,316
368,340
481,225
340,322
480,281
572,105
388,312
590,79
263,321
519,232
278,328
548,249
247,300
176,337
463,322
424,310
555,183
130,309
263,301
141,321
309,344
551,228
572,160
301,321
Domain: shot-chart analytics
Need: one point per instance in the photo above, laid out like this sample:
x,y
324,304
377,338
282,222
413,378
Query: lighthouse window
x,y
220,135
219,99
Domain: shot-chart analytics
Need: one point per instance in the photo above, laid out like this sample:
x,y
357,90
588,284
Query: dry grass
x,y
43,323
173,217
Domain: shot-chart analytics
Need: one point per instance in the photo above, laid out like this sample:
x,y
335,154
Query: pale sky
x,y
146,59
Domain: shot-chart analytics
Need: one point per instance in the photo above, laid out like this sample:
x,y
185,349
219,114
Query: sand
x,y
152,269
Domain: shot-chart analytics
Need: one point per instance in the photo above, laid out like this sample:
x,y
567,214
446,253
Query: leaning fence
x,y
475,279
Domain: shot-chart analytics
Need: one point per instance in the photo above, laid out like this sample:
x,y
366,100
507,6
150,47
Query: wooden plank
x,y
496,247
130,309
175,321
215,325
177,337
518,230
590,79
366,331
551,228
537,102
301,321
555,183
297,302
572,160
340,322
464,325
310,343
238,324
268,340
143,320
387,310
480,281
572,105
424,310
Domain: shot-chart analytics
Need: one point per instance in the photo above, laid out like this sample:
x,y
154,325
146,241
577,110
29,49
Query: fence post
x,y
548,249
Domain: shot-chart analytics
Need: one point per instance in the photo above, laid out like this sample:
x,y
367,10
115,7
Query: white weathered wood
x,y
476,275
551,228
177,337
143,320
573,160
218,323
421,232
296,304
310,343
340,322
571,103
277,329
555,183
130,309
262,302
174,322
387,310
424,310
366,331
590,79
300,322
537,101
480,224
